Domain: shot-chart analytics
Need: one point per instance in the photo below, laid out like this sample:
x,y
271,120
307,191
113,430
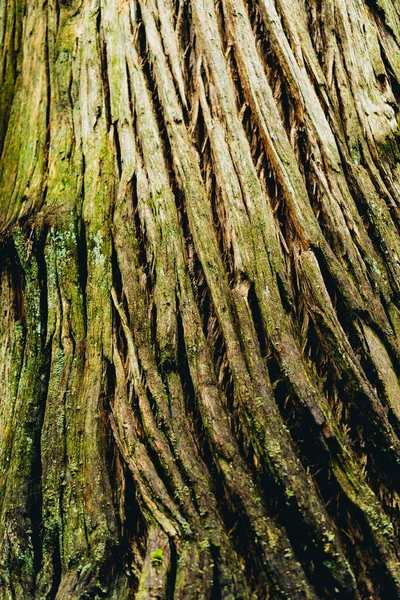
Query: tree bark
x,y
199,292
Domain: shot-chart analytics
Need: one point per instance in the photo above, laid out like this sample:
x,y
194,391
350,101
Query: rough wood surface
x,y
199,296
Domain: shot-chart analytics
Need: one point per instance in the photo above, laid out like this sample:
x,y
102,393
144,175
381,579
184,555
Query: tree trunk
x,y
199,292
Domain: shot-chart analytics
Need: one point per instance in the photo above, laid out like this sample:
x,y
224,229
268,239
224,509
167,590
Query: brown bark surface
x,y
199,299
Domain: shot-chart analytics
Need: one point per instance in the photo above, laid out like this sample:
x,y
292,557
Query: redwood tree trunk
x,y
199,292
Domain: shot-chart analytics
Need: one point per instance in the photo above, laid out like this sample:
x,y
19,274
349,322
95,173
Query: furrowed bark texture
x,y
199,291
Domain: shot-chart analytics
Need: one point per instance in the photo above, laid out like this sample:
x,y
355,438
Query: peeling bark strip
x,y
199,293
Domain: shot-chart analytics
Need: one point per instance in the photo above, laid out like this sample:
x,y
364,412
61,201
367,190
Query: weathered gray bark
x,y
199,291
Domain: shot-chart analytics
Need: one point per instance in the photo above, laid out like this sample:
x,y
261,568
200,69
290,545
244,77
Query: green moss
x,y
157,557
389,149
